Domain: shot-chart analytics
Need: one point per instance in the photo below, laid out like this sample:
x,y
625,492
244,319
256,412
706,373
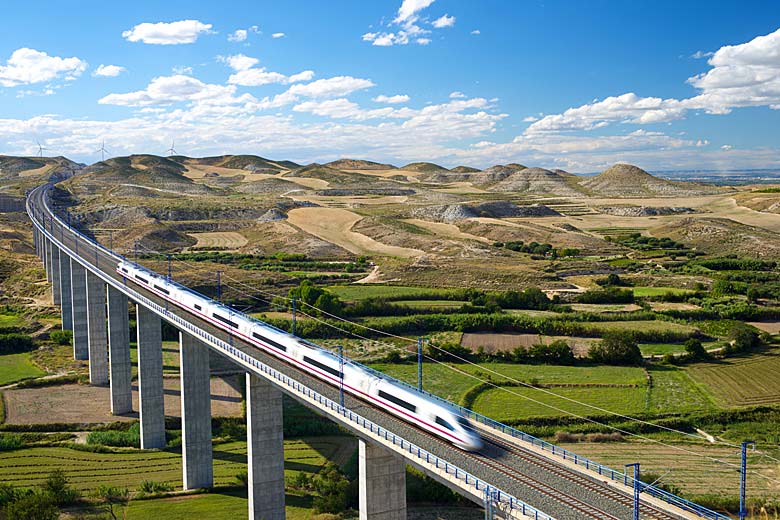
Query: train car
x,y
431,415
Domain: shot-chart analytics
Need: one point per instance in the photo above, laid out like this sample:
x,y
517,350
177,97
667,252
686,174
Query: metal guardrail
x,y
414,451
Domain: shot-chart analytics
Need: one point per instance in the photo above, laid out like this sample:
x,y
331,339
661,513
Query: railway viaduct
x,y
517,476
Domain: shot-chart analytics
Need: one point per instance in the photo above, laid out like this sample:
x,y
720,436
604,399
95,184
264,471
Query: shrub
x,y
695,350
61,337
556,353
152,487
333,488
123,439
12,343
616,348
10,442
242,478
56,486
32,506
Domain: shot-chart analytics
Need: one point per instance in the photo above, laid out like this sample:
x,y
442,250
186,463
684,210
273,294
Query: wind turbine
x,y
41,148
102,150
171,150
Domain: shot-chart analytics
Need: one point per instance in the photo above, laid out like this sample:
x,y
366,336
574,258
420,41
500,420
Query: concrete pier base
x,y
55,275
150,379
382,485
120,368
265,449
97,334
66,296
78,287
197,463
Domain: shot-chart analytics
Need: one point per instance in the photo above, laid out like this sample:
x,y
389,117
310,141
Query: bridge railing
x,y
564,454
414,452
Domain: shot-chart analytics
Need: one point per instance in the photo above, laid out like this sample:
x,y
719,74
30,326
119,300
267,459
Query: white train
x,y
414,407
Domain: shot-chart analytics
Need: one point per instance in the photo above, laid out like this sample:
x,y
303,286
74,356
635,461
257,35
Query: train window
x,y
198,307
270,342
144,280
399,402
124,270
225,320
442,422
322,366
465,424
161,289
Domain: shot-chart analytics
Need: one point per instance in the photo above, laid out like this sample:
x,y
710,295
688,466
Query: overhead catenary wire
x,y
488,382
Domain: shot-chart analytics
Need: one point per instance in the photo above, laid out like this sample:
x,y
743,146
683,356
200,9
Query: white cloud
x,y
726,147
109,71
741,76
530,119
457,95
305,75
444,21
701,54
166,90
476,32
164,33
239,61
423,41
27,66
240,35
398,98
181,69
409,9
331,87
278,35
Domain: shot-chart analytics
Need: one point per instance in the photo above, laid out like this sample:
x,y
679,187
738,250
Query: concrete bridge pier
x,y
120,367
382,483
97,335
78,286
150,378
46,257
196,450
66,296
265,449
54,264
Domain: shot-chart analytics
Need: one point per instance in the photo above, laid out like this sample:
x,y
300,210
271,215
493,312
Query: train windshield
x,y
466,425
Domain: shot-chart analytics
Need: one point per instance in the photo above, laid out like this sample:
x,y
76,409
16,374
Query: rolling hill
x,y
627,180
358,164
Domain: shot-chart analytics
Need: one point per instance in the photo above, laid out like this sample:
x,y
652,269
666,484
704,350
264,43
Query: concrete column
x,y
97,334
265,449
150,378
382,486
65,292
78,286
196,451
120,367
47,258
56,297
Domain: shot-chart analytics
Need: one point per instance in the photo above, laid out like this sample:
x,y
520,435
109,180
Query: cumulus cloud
x,y
726,147
247,75
331,87
530,119
109,71
167,33
181,69
166,90
239,61
476,32
240,35
740,76
27,66
444,21
398,98
701,54
278,35
457,95
407,26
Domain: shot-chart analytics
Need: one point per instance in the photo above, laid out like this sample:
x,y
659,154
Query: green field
x,y
451,384
673,390
649,292
741,381
170,354
86,470
15,367
10,320
641,326
659,349
506,404
437,304
362,292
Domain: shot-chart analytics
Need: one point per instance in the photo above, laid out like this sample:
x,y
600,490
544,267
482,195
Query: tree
x,y
743,338
616,348
333,489
695,349
111,498
556,353
32,506
56,486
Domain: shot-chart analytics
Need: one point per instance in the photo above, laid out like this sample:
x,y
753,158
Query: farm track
x,y
647,512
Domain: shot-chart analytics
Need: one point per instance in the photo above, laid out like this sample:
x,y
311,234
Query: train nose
x,y
473,443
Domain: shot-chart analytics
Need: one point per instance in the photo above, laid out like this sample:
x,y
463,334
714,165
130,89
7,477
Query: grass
x,y
86,470
10,320
170,354
437,304
451,384
674,390
506,404
641,326
742,381
362,292
659,349
15,367
650,292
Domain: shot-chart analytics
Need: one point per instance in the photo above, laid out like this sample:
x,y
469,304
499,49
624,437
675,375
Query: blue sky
x,y
572,85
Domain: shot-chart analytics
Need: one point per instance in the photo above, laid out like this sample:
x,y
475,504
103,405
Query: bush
x,y
123,439
616,348
56,486
152,487
13,343
32,506
742,339
242,478
61,337
695,350
10,442
556,353
333,489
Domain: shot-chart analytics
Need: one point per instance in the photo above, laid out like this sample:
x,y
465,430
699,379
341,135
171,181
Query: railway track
x,y
647,511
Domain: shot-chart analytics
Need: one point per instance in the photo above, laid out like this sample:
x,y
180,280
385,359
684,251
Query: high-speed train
x,y
406,403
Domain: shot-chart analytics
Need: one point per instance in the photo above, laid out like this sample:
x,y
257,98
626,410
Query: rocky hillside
x,y
626,180
358,164
423,167
534,180
12,168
